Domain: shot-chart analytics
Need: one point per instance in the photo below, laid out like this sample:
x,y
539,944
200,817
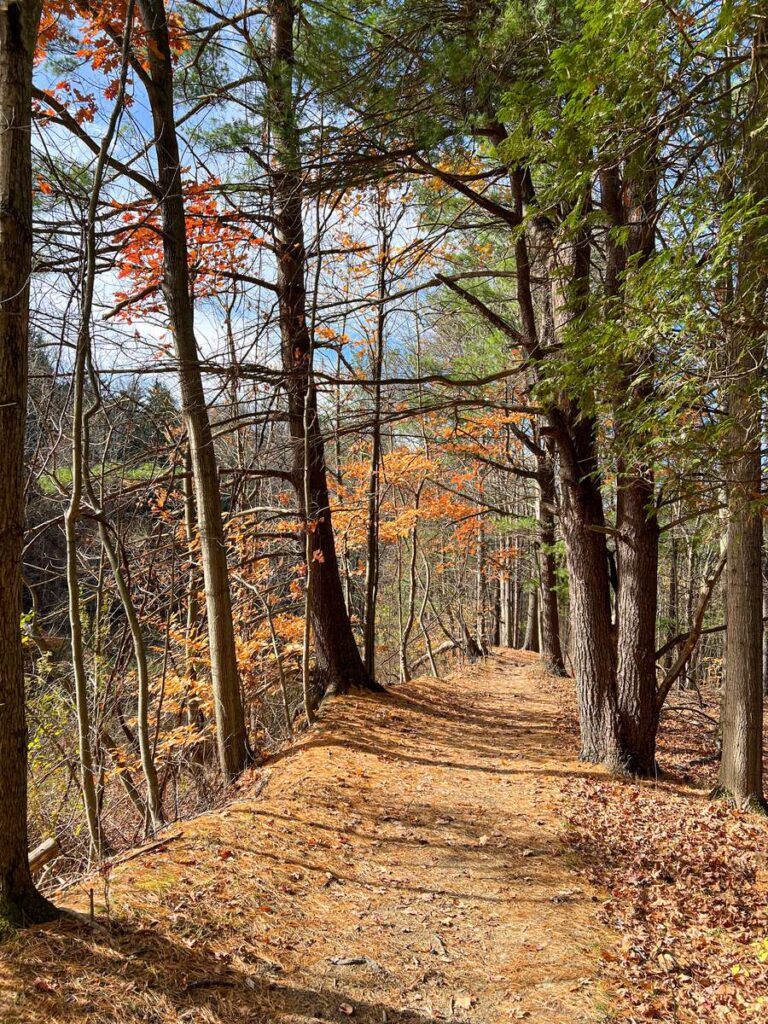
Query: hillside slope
x,y
400,864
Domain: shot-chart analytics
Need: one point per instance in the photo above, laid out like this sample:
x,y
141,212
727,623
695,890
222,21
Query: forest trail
x,y
402,863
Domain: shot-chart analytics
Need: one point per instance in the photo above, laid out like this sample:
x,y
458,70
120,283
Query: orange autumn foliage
x,y
96,31
218,243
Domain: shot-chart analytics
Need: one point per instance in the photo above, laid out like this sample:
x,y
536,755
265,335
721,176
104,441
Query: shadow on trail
x,y
333,850
409,727
158,977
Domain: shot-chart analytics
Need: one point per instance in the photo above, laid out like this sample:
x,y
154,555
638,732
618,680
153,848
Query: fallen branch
x,y
43,854
449,645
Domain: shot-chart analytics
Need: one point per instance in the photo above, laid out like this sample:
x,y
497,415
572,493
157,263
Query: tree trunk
x,y
81,482
515,610
496,608
338,660
372,539
480,622
405,672
573,434
193,609
505,604
549,616
469,645
88,772
637,550
741,765
673,599
430,655
692,668
593,645
20,902
531,641
632,205
231,734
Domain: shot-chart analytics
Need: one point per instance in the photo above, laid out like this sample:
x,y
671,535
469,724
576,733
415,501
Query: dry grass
x,y
402,863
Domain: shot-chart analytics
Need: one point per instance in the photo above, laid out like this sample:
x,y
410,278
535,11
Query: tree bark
x,y
20,902
337,657
514,623
593,641
629,200
741,765
231,734
405,671
637,551
549,615
81,483
495,606
429,655
573,434
480,621
673,598
372,539
88,772
505,603
531,641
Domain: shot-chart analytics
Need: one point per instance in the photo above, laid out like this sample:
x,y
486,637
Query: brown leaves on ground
x,y
687,883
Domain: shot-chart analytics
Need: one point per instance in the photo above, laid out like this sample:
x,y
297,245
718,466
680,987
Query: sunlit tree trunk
x,y
637,549
592,639
629,201
230,720
741,765
495,605
582,520
77,647
573,435
505,601
338,660
549,615
410,618
430,654
81,483
531,641
514,613
480,619
372,526
20,902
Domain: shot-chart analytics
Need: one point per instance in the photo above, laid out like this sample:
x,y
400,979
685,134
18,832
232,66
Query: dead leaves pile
x,y
687,883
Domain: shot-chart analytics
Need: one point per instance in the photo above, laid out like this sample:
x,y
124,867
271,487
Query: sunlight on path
x,y
401,864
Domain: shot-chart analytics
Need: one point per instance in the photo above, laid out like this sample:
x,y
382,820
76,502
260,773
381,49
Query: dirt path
x,y
400,865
